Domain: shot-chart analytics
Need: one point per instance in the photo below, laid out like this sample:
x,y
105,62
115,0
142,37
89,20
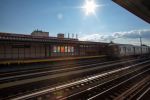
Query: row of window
x,y
87,46
63,49
28,37
131,49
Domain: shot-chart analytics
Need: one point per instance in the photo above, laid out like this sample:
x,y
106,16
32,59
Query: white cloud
x,y
132,35
97,37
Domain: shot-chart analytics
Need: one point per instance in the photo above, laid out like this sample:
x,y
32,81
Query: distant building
x,y
60,35
40,45
40,33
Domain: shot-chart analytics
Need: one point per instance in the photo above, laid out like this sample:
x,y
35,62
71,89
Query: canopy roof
x,y
140,8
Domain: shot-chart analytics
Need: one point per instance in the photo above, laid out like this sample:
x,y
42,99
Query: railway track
x,y
10,87
118,91
90,81
136,90
115,91
31,68
47,67
36,73
98,91
145,95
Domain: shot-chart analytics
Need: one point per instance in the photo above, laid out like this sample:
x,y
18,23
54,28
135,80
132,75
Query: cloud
x,y
97,37
133,34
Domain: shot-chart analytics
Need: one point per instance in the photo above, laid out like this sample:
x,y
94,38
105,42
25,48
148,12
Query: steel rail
x,y
54,71
140,97
35,79
89,89
73,83
131,92
95,96
42,67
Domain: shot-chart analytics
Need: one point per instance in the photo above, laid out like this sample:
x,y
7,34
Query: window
x,y
66,49
69,49
54,49
62,49
58,49
72,49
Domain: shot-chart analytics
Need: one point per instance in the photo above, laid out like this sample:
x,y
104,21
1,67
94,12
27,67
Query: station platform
x,y
29,61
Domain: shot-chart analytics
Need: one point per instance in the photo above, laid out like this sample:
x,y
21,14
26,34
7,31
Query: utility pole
x,y
68,35
76,36
141,43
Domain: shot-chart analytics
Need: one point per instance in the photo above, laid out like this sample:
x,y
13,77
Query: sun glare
x,y
89,7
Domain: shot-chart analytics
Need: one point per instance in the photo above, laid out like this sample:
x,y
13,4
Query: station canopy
x,y
140,8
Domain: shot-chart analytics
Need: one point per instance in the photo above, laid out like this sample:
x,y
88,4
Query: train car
x,y
145,50
126,50
137,50
112,50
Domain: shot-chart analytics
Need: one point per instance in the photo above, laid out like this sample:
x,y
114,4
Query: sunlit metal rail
x,y
31,68
36,79
145,95
42,92
16,87
87,93
115,90
55,71
136,90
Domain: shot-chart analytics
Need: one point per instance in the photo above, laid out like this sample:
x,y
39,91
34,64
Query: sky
x,y
109,22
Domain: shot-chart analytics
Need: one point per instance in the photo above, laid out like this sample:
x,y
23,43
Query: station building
x,y
40,45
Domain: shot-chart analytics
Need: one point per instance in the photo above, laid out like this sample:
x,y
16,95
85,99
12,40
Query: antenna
x,y
76,36
72,35
64,35
68,35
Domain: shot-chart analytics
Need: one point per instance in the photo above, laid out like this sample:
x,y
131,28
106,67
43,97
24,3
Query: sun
x,y
89,7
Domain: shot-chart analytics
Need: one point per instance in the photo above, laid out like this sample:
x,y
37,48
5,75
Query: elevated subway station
x,y
92,79
19,46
